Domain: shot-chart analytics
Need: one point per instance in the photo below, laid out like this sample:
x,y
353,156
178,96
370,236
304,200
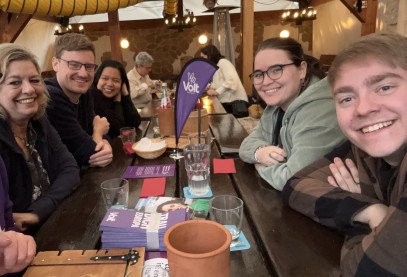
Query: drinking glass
x,y
115,193
156,127
197,165
128,134
228,211
204,138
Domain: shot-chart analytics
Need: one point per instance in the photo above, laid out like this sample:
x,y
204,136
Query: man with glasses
x,y
141,86
71,109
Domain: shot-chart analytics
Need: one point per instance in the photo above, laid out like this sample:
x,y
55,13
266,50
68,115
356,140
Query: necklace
x,y
23,139
20,138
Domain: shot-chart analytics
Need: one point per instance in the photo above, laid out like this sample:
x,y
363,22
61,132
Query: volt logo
x,y
191,87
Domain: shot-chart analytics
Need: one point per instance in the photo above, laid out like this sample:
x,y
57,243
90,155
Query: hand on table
x,y
25,220
16,251
270,155
103,155
344,176
212,92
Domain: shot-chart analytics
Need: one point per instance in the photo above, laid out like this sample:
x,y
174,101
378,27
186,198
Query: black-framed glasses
x,y
274,72
90,67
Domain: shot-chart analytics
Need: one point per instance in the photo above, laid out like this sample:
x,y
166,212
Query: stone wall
x,y
168,46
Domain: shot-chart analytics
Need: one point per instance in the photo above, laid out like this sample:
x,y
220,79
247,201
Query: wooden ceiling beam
x,y
11,25
367,16
349,4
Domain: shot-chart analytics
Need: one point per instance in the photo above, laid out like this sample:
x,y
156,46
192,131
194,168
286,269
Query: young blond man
x,y
360,188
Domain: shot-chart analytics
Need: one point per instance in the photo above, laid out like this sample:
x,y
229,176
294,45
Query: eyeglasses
x,y
90,67
274,72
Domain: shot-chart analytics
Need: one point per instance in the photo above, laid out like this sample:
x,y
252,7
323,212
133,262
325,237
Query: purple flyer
x,y
149,171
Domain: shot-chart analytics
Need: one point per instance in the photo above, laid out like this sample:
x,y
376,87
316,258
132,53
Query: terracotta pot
x,y
167,127
198,248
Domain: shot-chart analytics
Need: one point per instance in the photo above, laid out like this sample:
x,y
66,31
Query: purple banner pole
x,y
193,80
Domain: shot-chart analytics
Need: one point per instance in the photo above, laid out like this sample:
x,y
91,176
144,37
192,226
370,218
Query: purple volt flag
x,y
194,77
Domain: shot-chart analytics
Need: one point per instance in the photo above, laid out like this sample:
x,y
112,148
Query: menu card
x,y
149,171
224,166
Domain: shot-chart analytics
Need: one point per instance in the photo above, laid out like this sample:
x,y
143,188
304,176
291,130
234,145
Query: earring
x,y
302,83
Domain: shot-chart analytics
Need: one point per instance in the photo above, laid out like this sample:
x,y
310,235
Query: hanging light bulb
x,y
124,43
203,39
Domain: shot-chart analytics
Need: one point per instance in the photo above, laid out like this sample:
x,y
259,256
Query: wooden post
x,y
114,34
247,30
402,20
369,26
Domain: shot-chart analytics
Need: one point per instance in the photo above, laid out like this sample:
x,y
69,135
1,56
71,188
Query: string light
x,y
298,16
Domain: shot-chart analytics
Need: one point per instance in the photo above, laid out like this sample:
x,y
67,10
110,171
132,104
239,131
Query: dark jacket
x,y
119,114
61,167
73,122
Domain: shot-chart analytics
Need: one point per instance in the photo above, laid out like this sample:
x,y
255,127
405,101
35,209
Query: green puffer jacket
x,y
309,130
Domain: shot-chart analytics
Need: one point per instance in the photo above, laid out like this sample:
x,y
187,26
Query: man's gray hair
x,y
143,58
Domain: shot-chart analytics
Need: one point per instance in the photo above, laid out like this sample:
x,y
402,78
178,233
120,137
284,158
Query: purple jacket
x,y
6,215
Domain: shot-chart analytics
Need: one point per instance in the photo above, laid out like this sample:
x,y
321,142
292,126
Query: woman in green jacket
x,y
299,123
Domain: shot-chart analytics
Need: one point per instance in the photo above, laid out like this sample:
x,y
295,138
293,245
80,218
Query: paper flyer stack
x,y
127,229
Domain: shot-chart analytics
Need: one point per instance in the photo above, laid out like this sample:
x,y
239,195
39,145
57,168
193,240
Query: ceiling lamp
x,y
180,22
64,27
298,16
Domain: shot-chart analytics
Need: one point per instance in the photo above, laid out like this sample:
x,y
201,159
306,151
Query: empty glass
x,y
115,193
228,211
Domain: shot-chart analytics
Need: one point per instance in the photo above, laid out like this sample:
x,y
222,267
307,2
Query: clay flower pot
x,y
198,248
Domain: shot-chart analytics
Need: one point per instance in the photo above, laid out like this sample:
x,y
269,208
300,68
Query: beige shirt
x,y
227,83
140,93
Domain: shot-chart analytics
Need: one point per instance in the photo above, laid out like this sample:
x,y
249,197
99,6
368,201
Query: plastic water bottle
x,y
165,100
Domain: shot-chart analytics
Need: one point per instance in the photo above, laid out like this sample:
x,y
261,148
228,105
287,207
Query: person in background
x,y
226,84
16,249
141,86
71,109
299,123
41,170
111,97
360,188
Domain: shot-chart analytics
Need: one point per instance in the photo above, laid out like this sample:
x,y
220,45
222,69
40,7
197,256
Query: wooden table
x,y
283,242
248,262
75,223
211,104
294,244
229,133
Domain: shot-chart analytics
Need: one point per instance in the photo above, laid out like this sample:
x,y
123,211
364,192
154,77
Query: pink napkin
x,y
153,187
224,166
127,146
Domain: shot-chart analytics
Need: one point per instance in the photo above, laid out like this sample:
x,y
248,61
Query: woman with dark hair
x,y
111,97
226,84
199,208
299,123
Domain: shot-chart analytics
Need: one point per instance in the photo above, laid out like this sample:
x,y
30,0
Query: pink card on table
x,y
153,187
128,147
224,166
